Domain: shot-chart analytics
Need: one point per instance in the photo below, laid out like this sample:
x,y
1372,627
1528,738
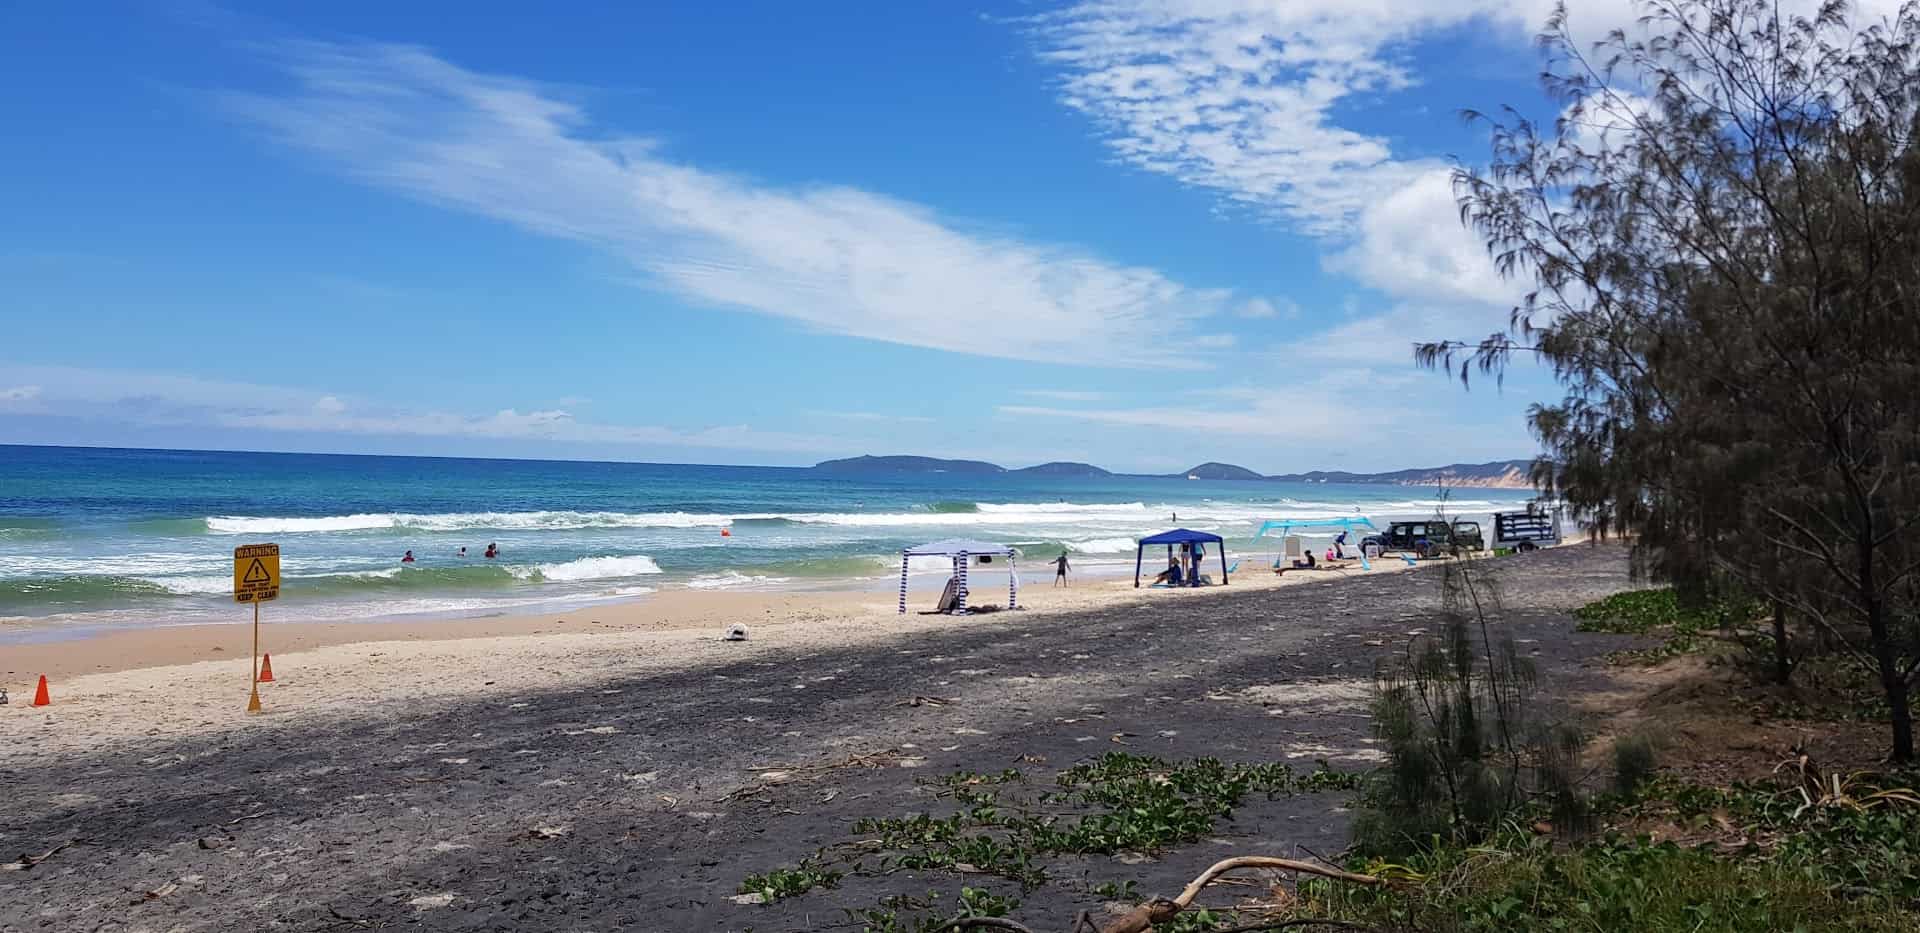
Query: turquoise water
x,y
144,537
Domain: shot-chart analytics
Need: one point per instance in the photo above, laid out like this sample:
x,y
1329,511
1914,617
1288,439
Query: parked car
x,y
1428,538
1525,531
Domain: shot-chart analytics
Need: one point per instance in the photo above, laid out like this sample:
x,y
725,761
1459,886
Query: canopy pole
x,y
1139,554
1013,583
1223,563
960,597
905,558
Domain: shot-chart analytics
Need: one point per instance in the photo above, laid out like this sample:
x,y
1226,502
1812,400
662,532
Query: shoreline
x,y
678,614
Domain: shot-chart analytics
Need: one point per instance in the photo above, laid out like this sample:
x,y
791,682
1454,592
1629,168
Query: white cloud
x,y
171,400
1064,395
1245,98
1411,244
20,394
834,258
1236,96
1283,413
1242,98
872,416
1262,308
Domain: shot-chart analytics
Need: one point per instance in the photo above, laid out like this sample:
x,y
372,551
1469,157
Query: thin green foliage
x,y
1000,825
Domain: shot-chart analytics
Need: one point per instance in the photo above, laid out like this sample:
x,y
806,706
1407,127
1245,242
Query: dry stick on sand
x,y
28,861
1160,910
776,775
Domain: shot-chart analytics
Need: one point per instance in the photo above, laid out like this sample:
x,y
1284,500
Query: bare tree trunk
x,y
1891,679
1782,657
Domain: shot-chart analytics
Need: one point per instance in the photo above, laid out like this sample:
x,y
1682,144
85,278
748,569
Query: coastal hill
x,y
1499,474
1063,468
1212,470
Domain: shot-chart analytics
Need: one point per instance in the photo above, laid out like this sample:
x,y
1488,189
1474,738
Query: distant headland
x,y
1499,474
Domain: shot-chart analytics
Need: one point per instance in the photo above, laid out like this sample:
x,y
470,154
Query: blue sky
x,y
1141,234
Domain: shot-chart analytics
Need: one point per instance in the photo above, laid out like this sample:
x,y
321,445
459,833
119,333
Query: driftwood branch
x,y
983,923
1160,910
28,861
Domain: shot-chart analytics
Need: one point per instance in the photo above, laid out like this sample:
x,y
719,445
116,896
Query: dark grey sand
x,y
609,808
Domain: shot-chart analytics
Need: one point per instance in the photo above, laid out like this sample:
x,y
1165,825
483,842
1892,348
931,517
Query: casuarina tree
x,y
1721,233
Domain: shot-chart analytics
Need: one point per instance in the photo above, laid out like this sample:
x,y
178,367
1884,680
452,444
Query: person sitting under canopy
x,y
1182,569
1170,576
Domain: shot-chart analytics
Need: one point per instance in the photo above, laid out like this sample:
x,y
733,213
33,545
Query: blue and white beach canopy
x,y
962,550
956,547
1345,524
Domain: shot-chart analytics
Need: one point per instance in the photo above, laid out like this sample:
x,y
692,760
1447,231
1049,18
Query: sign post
x,y
256,579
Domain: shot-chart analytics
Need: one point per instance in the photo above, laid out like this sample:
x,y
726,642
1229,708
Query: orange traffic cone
x,y
40,697
266,668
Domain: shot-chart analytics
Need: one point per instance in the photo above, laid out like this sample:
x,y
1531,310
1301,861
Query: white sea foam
x,y
458,521
136,565
597,568
196,585
988,514
731,579
1103,546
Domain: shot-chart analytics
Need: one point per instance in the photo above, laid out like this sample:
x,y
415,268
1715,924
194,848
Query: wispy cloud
x,y
1064,395
20,394
872,416
1247,99
1279,415
1240,96
1258,308
166,399
834,258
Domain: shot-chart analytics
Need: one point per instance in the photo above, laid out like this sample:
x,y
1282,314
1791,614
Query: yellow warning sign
x,y
256,573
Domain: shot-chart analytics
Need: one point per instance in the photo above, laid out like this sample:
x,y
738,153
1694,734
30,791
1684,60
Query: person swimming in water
x,y
493,551
462,552
407,558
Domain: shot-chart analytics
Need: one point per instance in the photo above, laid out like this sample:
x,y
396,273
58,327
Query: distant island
x,y
1499,474
1063,468
1221,471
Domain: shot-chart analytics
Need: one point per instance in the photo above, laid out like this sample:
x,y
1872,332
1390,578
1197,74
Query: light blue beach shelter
x,y
1347,525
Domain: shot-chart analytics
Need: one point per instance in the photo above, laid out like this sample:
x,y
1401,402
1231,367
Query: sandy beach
x,y
549,774
183,679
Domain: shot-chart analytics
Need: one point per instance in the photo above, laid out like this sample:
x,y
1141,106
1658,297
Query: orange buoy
x,y
726,533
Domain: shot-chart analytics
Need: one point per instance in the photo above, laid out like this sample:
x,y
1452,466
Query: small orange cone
x,y
266,668
40,697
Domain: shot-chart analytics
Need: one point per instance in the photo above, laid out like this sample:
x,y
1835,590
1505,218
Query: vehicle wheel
x,y
1526,546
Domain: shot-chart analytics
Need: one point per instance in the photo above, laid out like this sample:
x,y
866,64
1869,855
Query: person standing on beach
x,y
1060,569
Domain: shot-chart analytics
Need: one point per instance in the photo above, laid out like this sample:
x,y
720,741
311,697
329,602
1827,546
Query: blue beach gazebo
x,y
1181,536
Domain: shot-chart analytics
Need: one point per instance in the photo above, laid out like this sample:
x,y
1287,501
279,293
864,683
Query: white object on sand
x,y
736,632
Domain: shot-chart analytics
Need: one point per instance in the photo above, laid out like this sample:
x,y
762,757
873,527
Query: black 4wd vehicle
x,y
1429,538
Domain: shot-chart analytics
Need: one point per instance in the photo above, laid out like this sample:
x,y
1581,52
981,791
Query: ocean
x,y
116,538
